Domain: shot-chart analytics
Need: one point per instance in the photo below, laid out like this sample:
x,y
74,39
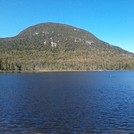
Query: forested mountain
x,y
51,46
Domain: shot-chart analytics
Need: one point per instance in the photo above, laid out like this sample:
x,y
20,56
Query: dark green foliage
x,y
61,47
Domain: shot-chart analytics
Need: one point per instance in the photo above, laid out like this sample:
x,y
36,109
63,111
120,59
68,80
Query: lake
x,y
67,102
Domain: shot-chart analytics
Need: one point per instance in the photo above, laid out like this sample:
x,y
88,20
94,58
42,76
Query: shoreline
x,y
46,71
54,71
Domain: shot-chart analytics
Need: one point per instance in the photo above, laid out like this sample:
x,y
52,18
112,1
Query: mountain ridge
x,y
54,46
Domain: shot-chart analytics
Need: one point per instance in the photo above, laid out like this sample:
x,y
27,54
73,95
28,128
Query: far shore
x,y
47,71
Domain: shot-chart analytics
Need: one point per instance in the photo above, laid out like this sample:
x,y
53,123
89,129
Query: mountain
x,y
52,46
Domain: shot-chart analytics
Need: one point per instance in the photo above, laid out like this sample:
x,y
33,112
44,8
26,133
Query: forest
x,y
51,46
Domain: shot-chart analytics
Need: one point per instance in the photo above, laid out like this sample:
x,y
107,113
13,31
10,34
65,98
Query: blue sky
x,y
109,20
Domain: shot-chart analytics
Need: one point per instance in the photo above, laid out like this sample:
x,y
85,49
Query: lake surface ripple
x,y
68,103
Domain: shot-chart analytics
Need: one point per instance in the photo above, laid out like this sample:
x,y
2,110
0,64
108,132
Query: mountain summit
x,y
52,46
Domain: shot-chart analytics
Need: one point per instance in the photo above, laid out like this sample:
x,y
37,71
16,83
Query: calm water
x,y
68,103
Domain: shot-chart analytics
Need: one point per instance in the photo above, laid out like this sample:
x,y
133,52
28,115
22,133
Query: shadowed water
x,y
75,102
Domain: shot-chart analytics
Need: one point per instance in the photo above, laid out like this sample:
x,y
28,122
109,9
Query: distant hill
x,y
52,46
